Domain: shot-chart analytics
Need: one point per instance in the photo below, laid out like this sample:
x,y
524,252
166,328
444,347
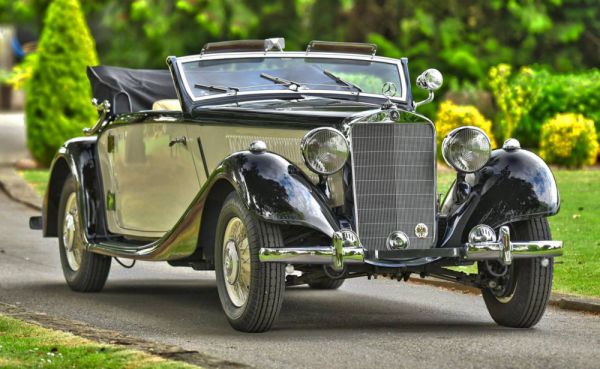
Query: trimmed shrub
x,y
564,93
58,103
451,116
569,139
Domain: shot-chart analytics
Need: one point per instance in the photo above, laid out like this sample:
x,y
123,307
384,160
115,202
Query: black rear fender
x,y
77,157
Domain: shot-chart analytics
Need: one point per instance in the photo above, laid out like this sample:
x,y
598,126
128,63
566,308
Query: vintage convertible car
x,y
283,168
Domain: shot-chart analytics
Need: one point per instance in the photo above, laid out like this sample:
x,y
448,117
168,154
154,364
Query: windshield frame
x,y
402,98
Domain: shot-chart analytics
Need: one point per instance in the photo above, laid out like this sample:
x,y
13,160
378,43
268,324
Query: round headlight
x,y
325,150
466,149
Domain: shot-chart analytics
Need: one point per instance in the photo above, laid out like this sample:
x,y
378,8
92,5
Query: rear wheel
x,y
251,292
84,271
521,300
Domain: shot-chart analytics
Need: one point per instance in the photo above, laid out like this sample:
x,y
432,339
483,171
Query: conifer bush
x,y
58,103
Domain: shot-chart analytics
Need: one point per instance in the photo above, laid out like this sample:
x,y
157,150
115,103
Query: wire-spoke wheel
x,y
84,271
251,292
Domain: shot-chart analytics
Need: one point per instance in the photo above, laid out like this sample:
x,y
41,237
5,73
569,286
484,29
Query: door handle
x,y
176,140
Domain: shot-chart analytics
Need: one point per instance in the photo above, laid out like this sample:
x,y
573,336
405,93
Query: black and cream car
x,y
279,168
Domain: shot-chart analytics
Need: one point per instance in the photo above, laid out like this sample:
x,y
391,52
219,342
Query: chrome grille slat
x,y
393,166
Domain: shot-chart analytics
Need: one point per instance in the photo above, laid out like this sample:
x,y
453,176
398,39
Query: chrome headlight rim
x,y
304,146
452,134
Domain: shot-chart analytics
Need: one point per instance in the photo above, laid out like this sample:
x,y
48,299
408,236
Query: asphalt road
x,y
12,138
378,324
366,324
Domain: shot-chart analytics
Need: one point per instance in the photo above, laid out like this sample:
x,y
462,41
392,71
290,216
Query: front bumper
x,y
346,251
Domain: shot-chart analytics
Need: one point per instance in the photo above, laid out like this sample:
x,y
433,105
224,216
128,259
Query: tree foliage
x,y
462,38
465,39
58,93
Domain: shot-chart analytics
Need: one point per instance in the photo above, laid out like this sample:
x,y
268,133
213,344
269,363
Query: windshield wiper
x,y
216,88
292,85
341,81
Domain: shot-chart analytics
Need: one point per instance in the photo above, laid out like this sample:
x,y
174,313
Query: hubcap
x,y
71,240
236,262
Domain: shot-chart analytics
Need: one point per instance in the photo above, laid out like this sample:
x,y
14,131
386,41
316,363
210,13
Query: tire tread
x,y
94,269
265,301
527,308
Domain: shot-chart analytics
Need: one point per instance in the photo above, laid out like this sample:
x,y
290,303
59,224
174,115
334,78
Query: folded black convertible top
x,y
130,90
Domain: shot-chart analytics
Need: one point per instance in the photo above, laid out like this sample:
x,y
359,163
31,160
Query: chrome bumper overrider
x,y
346,249
505,250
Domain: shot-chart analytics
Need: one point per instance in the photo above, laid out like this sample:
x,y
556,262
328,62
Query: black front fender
x,y
513,186
277,191
77,157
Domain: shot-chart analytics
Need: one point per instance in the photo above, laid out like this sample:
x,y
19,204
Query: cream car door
x,y
148,175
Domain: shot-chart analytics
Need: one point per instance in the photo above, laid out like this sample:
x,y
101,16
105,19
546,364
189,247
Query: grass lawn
x,y
577,223
24,345
38,179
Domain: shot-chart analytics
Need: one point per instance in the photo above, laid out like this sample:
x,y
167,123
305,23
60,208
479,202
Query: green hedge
x,y
58,103
553,94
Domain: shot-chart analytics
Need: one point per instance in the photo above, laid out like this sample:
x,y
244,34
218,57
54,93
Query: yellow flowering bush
x,y
451,116
569,139
513,94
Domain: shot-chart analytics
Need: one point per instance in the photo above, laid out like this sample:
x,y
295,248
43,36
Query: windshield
x,y
209,77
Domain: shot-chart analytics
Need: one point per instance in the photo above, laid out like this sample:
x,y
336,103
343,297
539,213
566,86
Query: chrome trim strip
x,y
287,54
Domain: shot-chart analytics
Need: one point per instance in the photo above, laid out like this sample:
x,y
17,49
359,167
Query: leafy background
x,y
519,63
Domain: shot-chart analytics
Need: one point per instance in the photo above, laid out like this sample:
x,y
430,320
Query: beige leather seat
x,y
168,104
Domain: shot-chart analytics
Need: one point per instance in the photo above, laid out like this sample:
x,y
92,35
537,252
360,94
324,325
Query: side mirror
x,y
429,80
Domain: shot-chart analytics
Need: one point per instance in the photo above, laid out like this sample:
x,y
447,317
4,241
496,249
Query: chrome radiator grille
x,y
393,168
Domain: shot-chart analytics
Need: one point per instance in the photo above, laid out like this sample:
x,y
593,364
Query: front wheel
x,y
251,292
521,301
